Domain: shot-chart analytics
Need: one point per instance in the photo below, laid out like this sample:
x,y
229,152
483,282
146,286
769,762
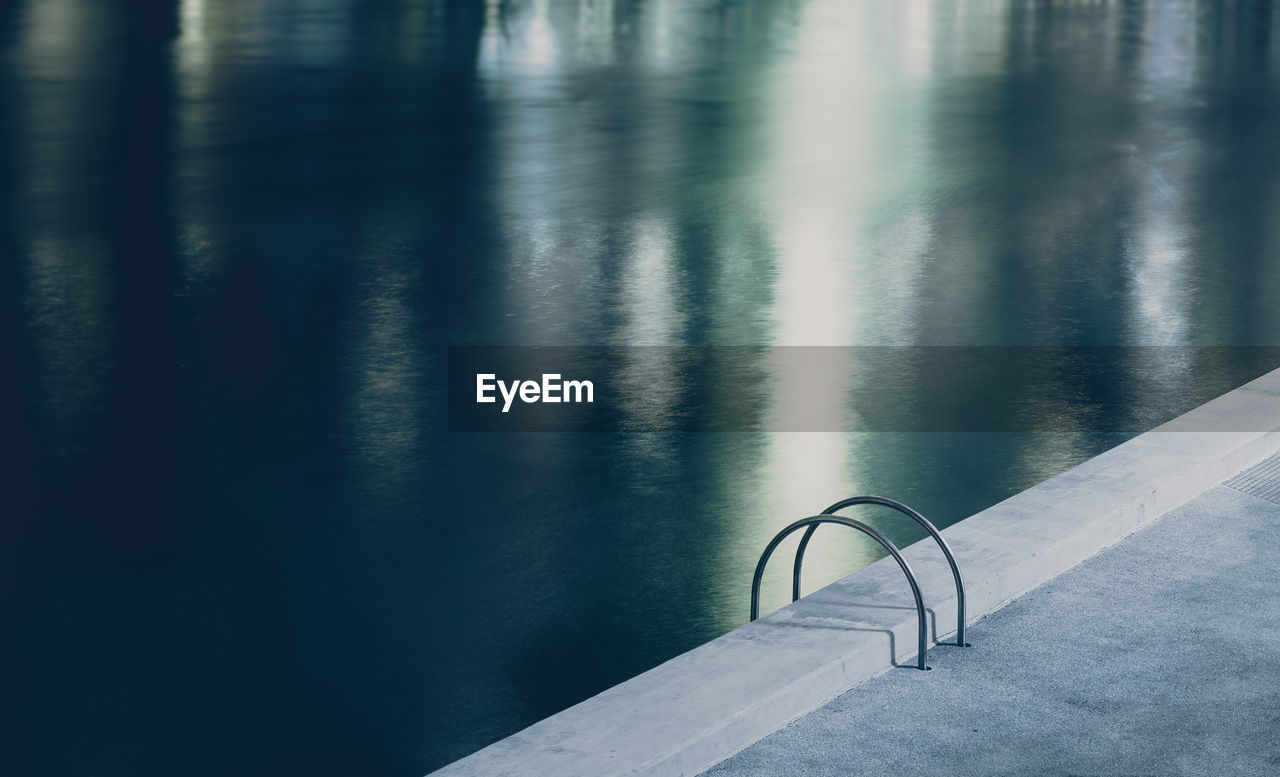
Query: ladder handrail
x,y
813,522
920,519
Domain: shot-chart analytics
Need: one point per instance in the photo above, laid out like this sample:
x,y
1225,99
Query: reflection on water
x,y
238,237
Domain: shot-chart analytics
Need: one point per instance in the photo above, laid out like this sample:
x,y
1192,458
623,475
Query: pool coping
x,y
689,713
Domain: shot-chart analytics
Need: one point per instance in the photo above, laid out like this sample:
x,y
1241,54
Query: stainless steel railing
x,y
870,532
811,524
918,518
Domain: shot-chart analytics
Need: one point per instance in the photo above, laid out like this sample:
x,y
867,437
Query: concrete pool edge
x,y
707,704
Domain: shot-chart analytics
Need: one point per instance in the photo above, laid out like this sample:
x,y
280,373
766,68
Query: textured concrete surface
x,y
1158,656
695,710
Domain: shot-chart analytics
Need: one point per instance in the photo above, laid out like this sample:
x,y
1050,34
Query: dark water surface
x,y
239,236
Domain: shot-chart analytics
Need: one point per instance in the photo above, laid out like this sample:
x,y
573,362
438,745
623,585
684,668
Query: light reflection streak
x,y
826,173
70,320
520,41
197,65
1166,156
661,52
652,382
917,37
385,408
595,31
192,15
51,27
69,294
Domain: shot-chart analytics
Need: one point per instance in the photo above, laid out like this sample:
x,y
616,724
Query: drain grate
x,y
1261,480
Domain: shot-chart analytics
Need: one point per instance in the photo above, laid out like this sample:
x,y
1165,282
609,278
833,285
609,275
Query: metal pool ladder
x,y
811,525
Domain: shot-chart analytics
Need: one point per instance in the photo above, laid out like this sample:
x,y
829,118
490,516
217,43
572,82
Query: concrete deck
x,y
1158,656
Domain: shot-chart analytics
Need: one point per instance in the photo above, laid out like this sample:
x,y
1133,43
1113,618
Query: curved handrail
x,y
920,519
813,522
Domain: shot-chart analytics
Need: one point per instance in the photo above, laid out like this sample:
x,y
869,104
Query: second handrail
x,y
920,519
812,522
